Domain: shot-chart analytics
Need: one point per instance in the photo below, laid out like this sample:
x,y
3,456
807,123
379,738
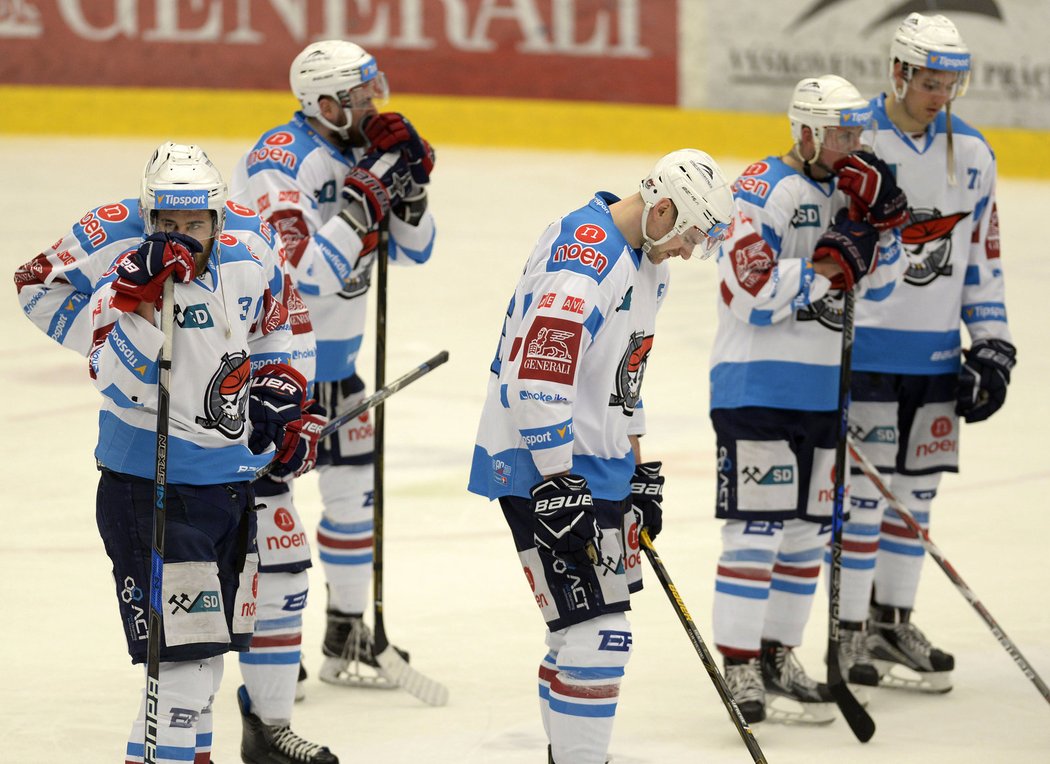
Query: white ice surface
x,y
454,593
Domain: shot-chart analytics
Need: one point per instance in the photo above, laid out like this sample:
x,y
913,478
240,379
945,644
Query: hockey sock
x,y
860,545
185,690
205,724
548,669
794,583
271,667
745,572
901,554
585,690
344,538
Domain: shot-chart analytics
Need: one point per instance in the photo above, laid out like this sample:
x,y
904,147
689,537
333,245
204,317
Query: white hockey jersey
x,y
229,321
294,178
564,393
55,287
951,246
778,343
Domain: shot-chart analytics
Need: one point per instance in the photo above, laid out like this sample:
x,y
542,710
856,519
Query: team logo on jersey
x,y
226,398
928,245
551,349
629,372
827,311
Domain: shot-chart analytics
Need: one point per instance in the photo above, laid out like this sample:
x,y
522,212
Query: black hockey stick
x,y
155,625
742,727
390,661
909,519
372,400
859,720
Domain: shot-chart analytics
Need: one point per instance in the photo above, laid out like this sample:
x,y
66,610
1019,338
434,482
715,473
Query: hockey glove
x,y
647,495
565,524
142,273
391,130
378,181
310,427
276,400
984,378
872,190
852,245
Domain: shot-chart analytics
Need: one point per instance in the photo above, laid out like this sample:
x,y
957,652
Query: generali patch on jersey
x,y
551,349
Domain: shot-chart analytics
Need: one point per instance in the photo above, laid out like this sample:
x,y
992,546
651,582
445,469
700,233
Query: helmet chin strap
x,y
344,131
807,165
647,242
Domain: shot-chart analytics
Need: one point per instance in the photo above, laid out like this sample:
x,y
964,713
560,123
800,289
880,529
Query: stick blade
x,y
410,680
858,719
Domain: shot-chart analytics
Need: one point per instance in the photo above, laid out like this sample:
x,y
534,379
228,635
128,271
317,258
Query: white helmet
x,y
181,177
930,42
333,68
829,101
694,182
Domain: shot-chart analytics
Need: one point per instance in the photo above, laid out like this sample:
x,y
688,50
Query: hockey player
x,y
558,438
55,288
798,241
909,386
328,181
230,350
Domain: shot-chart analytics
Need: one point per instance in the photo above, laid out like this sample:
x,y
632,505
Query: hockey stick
x,y
372,400
859,720
909,519
390,661
724,693
155,625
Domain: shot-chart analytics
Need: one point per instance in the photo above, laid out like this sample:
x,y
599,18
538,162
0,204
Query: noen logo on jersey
x,y
586,256
182,200
949,62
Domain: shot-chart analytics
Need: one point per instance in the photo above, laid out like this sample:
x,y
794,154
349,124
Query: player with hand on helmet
x,y
330,180
912,379
558,442
182,226
810,226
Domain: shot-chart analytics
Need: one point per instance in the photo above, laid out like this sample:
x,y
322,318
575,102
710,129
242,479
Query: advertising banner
x,y
585,50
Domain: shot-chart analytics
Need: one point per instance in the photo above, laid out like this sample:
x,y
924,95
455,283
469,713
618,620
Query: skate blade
x,y
897,676
781,710
354,674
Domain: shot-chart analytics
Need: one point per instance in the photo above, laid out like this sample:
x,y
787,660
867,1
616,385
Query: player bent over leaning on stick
x,y
812,223
558,442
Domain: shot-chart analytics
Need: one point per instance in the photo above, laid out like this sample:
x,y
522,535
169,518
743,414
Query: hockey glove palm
x,y
310,427
142,273
984,378
391,130
872,190
647,495
852,245
276,400
565,524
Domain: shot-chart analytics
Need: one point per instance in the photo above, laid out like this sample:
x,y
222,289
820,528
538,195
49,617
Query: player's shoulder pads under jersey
x,y
756,183
107,224
588,242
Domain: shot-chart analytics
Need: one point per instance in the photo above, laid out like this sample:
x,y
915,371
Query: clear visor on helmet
x,y
937,81
707,242
845,137
374,91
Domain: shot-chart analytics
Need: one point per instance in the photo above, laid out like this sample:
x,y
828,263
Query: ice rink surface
x,y
455,595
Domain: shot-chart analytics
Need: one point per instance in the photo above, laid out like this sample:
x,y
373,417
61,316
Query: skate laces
x,y
912,639
855,648
290,744
745,681
359,643
790,670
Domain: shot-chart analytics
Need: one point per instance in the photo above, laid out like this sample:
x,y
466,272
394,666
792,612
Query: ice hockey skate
x,y
791,696
855,661
744,679
269,744
349,650
904,656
